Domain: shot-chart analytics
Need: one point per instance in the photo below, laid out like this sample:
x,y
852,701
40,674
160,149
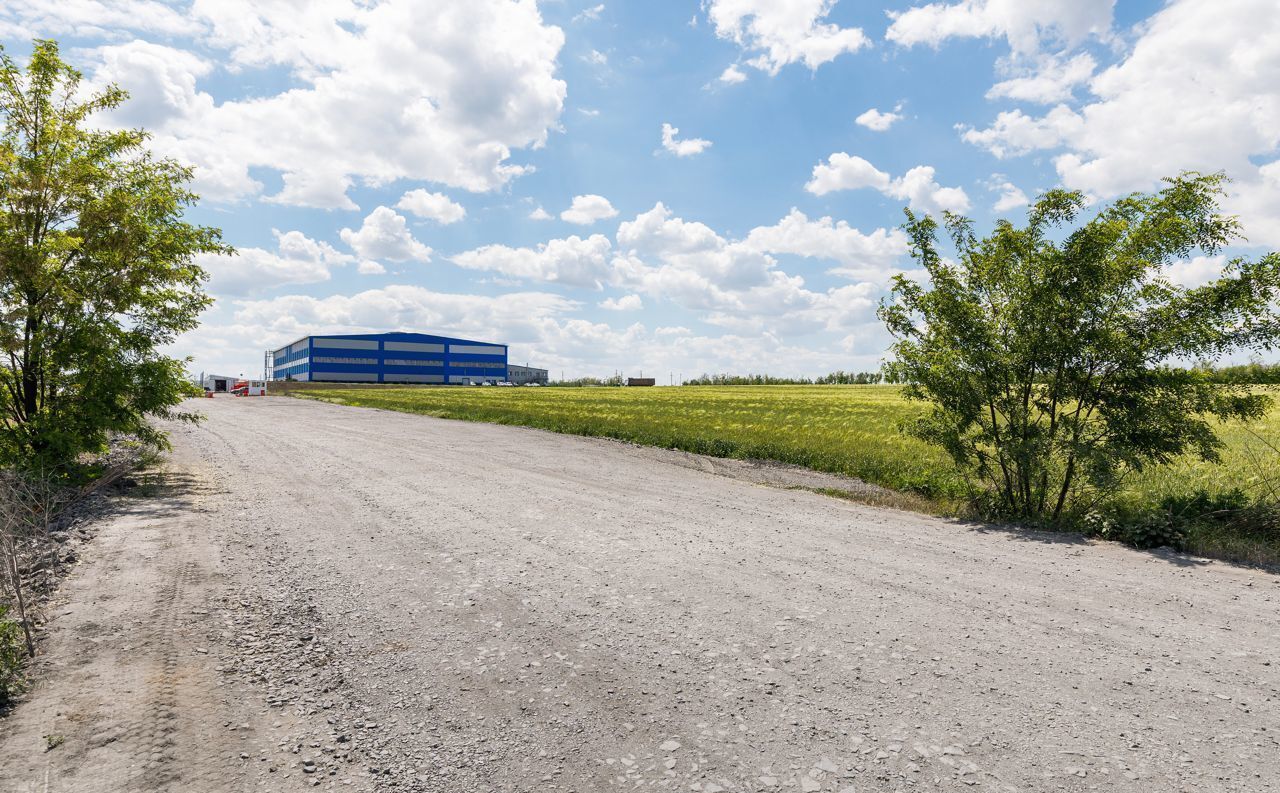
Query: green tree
x,y
97,269
1048,361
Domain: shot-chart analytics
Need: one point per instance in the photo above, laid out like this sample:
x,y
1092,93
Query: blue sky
x,y
384,165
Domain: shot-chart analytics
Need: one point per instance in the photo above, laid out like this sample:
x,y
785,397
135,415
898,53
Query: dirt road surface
x,y
350,599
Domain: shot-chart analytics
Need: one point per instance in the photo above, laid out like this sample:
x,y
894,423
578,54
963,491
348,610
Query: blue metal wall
x,y
390,358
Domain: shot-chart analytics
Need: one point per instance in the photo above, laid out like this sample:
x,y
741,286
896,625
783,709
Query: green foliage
x,y
1181,519
838,377
12,657
1142,530
841,377
97,270
746,379
588,382
1045,361
1252,373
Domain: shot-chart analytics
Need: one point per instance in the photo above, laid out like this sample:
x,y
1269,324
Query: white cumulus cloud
x,y
734,284
587,209
1053,79
385,235
572,261
1025,24
1011,196
297,259
860,255
783,32
733,75
433,206
917,186
474,80
1015,133
1196,91
876,120
844,171
624,303
682,148
161,80
29,19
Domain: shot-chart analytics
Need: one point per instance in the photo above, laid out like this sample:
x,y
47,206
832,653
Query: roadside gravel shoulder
x,y
161,670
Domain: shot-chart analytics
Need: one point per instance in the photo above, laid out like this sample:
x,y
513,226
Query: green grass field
x,y
848,430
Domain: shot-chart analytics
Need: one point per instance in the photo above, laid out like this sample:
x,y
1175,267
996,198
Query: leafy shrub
x,y
1235,511
1180,518
1145,530
1041,350
12,654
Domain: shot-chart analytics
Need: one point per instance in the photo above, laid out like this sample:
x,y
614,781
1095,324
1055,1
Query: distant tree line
x,y
588,382
1253,373
839,377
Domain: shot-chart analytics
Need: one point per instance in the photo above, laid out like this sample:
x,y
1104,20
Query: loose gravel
x,y
450,606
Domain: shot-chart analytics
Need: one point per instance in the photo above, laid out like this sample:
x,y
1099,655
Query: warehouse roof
x,y
384,334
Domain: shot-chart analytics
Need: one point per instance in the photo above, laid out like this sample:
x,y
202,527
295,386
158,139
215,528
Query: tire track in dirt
x,y
160,728
139,679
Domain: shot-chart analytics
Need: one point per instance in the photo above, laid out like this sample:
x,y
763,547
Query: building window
x,y
323,359
408,362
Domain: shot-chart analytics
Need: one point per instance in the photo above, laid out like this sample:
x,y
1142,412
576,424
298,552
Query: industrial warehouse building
x,y
389,358
523,375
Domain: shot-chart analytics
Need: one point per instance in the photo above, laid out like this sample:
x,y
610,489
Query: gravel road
x,y
411,603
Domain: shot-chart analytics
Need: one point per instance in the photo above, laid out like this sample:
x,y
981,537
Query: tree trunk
x,y
30,363
1066,487
15,582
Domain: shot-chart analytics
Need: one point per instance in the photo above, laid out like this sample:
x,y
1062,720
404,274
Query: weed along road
x,y
404,602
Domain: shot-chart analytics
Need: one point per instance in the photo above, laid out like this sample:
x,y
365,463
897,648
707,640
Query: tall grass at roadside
x,y
850,430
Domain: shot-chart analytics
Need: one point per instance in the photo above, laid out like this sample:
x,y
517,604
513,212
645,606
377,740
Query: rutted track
x,y
516,610
145,682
